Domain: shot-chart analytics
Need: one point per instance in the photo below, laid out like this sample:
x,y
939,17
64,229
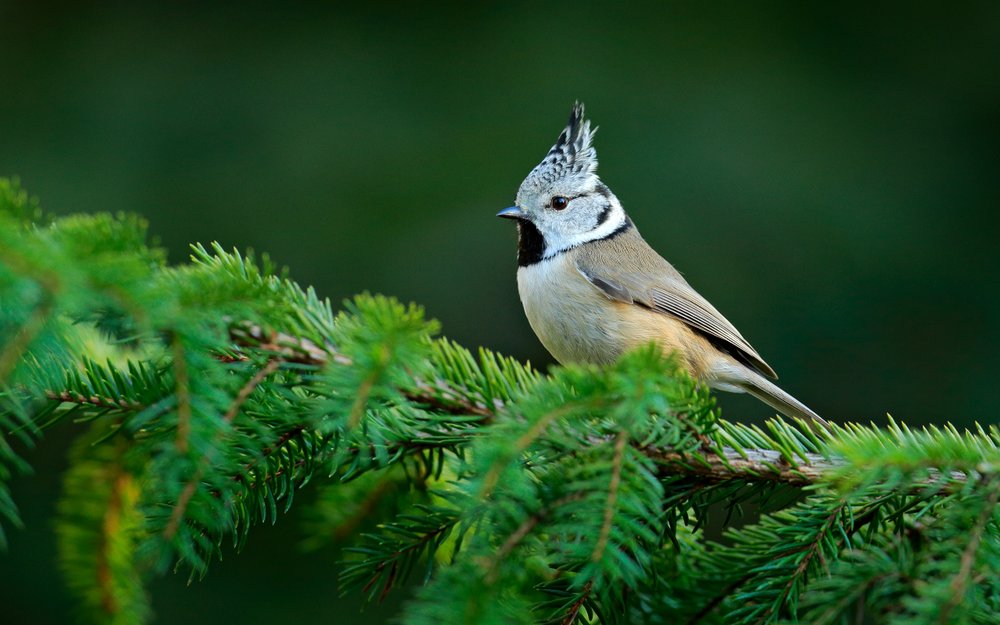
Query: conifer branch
x,y
263,373
748,463
576,606
177,514
97,527
183,395
23,336
120,481
960,582
522,531
758,464
712,466
442,397
268,450
519,534
69,397
578,495
388,561
287,347
492,475
808,552
361,398
436,394
609,509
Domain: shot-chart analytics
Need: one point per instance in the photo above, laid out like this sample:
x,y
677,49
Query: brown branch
x,y
393,560
21,340
492,566
441,396
574,610
121,483
71,397
609,509
538,428
270,449
287,347
361,400
437,394
183,396
446,398
813,550
177,515
513,541
751,464
248,388
960,582
11,353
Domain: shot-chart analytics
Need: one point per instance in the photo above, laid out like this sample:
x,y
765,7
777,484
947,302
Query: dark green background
x,y
825,173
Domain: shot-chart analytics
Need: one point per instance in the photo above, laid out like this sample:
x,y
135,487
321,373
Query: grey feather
x,y
647,280
773,396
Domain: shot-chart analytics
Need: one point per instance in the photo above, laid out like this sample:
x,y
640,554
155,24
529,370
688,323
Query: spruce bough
x,y
211,392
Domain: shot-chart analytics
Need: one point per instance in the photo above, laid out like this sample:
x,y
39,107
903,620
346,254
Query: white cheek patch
x,y
560,241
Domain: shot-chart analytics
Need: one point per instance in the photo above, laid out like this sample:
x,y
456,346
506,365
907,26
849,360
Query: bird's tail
x,y
769,393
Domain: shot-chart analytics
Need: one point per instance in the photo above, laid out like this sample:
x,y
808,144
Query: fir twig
x,y
576,606
960,582
177,515
183,399
609,511
70,397
581,495
748,463
23,336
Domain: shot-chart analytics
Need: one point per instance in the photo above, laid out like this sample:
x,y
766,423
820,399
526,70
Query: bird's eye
x,y
559,202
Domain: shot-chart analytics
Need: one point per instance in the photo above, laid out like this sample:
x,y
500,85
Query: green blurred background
x,y
825,173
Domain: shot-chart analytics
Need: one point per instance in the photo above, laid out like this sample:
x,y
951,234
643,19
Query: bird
x,y
593,288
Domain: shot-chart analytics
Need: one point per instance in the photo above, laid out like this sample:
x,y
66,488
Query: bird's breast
x,y
576,322
571,318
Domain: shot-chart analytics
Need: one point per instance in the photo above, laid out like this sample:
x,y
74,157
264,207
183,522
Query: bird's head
x,y
562,199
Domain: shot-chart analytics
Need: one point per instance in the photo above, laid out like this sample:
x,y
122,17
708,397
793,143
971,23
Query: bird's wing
x,y
667,292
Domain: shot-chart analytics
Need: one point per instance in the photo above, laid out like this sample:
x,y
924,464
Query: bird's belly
x,y
578,323
569,316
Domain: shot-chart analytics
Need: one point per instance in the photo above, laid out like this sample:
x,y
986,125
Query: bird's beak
x,y
512,212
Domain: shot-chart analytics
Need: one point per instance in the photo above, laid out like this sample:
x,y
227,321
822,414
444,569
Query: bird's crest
x,y
574,147
573,155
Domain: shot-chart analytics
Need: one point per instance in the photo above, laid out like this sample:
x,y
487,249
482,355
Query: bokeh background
x,y
825,173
